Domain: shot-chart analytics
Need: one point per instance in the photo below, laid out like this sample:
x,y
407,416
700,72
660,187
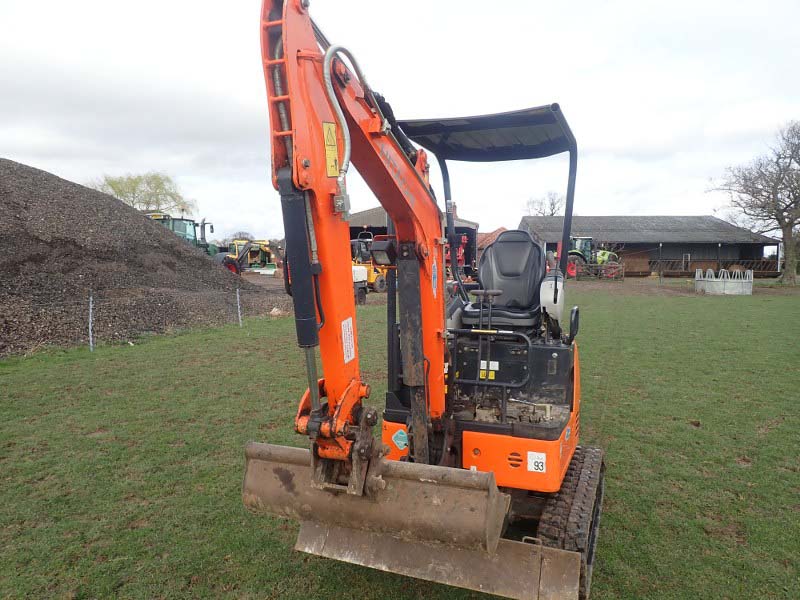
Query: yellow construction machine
x,y
360,255
252,255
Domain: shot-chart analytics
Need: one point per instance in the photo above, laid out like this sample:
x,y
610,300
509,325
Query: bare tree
x,y
766,193
549,205
147,191
238,235
278,247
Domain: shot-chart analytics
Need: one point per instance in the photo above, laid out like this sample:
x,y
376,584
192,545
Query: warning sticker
x,y
537,462
400,439
331,149
348,340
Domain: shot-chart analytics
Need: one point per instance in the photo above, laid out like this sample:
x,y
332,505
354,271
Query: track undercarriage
x,y
569,519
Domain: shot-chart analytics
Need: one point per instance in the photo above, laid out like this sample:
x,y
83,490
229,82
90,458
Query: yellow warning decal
x,y
331,149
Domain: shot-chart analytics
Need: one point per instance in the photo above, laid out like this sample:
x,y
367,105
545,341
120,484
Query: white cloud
x,y
661,97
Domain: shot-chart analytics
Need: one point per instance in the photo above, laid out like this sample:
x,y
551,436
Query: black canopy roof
x,y
528,133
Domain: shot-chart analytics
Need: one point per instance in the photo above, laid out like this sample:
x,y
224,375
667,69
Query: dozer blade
x,y
515,570
434,523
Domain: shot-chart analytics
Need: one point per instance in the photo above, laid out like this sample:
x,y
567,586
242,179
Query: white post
x,y
238,307
91,318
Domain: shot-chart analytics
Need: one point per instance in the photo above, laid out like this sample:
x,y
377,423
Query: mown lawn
x,y
120,471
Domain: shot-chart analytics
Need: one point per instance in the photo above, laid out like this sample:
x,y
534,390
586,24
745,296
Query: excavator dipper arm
x,y
322,116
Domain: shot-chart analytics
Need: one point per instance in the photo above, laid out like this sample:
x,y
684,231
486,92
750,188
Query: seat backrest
x,y
515,264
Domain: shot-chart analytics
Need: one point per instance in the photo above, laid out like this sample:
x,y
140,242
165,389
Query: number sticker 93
x,y
537,462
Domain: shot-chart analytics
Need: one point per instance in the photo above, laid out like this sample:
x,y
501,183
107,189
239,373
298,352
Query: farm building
x,y
374,220
674,245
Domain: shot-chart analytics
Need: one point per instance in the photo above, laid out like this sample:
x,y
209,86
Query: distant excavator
x,y
478,479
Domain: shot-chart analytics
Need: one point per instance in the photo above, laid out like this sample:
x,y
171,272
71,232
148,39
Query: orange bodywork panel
x,y
520,463
395,437
523,463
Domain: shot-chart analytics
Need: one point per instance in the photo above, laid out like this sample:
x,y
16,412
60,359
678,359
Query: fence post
x,y
238,307
91,318
660,264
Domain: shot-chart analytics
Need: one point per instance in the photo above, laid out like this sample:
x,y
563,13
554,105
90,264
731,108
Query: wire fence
x,y
90,317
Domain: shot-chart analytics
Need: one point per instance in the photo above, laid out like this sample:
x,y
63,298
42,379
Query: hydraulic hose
x,y
451,229
327,63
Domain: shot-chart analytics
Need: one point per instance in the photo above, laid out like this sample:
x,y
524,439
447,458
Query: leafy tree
x,y
549,205
148,191
766,194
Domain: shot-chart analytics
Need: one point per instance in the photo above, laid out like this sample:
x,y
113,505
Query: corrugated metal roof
x,y
376,217
646,229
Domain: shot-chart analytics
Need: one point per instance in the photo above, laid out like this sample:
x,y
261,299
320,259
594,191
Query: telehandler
x,y
477,480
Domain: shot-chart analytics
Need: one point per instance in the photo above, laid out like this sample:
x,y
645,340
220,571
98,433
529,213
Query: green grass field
x,y
120,471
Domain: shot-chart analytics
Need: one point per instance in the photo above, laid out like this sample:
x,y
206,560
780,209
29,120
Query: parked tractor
x,y
187,229
585,259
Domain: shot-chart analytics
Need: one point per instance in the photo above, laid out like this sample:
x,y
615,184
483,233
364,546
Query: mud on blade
x,y
409,501
434,523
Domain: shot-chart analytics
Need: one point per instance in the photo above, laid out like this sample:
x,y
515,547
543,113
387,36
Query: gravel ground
x,y
59,240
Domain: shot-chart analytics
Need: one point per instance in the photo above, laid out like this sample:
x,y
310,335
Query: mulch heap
x,y
60,240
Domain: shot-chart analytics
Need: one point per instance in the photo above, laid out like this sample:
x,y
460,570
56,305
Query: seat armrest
x,y
490,293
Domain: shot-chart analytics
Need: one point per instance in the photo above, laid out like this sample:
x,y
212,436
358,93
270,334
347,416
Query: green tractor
x,y
187,229
586,259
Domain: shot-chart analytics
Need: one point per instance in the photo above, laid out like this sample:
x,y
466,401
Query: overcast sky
x,y
660,96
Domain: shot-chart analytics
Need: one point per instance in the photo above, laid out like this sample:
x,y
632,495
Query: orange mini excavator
x,y
478,480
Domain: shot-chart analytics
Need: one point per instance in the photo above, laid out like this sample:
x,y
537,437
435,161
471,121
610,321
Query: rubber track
x,y
566,520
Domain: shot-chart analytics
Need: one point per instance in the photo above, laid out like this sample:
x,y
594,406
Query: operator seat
x,y
514,264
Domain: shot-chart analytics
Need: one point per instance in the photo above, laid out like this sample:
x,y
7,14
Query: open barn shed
x,y
374,220
674,245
